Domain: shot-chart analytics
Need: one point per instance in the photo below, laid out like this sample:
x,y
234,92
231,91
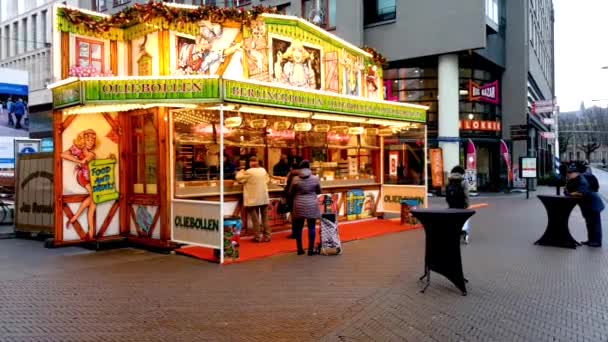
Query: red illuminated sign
x,y
479,125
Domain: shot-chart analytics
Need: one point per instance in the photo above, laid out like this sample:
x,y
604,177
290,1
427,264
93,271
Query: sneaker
x,y
266,239
592,244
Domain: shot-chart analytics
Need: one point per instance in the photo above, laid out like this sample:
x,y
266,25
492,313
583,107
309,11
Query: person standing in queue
x,y
304,190
289,199
255,195
591,204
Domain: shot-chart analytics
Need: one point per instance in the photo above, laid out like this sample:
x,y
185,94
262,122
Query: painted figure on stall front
x,y
201,57
295,66
352,69
82,153
256,51
372,81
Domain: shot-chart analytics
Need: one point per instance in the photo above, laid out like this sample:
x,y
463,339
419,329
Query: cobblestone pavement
x,y
517,291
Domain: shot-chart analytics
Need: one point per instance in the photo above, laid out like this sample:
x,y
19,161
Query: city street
x,y
517,291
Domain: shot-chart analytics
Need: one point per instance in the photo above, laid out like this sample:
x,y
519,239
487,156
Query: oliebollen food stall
x,y
158,105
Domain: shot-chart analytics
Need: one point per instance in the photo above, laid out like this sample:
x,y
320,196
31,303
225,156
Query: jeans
x,y
594,226
298,225
254,213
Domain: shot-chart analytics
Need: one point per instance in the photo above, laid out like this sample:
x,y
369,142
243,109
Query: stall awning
x,y
202,89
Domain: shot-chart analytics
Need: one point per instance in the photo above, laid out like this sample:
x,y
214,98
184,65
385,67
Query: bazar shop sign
x,y
239,91
196,223
480,125
151,89
484,93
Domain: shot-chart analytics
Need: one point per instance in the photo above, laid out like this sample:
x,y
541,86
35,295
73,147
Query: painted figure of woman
x,y
82,153
298,70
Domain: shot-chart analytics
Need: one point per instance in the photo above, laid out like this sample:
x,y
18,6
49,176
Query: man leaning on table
x,y
255,195
591,204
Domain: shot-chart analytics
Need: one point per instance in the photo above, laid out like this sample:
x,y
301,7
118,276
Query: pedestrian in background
x,y
19,110
304,190
591,204
255,195
457,196
9,111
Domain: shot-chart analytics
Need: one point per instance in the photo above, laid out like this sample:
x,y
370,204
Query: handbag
x,y
284,206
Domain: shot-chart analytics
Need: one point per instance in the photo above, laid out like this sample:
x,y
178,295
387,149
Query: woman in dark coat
x,y
304,190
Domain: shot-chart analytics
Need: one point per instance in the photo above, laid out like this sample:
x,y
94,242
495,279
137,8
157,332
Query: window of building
x,y
326,12
7,40
237,3
34,31
120,2
100,5
89,52
43,26
16,37
376,11
26,42
492,10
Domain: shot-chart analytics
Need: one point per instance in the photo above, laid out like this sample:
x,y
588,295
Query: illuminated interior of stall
x,y
341,148
404,161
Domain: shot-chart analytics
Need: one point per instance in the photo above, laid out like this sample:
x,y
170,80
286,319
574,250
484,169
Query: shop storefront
x,y
156,112
480,111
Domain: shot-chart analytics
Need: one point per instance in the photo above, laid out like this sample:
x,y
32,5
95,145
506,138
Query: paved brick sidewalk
x,y
517,291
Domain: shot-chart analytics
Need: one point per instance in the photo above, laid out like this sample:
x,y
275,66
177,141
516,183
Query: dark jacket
x,y
459,178
304,190
281,169
591,201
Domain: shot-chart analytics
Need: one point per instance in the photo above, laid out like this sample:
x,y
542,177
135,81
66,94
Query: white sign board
x,y
196,223
470,175
7,152
547,135
528,167
548,121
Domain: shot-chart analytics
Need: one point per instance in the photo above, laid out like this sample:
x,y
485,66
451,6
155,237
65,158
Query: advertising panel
x,y
196,223
392,195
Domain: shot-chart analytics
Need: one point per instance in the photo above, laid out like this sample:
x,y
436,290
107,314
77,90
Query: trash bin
x,y
406,206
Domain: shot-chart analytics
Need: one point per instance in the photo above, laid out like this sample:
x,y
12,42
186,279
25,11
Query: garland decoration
x,y
139,13
376,56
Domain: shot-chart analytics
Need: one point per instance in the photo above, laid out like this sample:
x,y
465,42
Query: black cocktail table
x,y
557,233
443,229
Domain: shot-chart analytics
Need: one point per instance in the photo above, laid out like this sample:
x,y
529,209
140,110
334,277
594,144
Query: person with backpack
x,y
591,204
457,196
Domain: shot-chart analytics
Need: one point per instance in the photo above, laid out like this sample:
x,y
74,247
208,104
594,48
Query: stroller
x,y
330,236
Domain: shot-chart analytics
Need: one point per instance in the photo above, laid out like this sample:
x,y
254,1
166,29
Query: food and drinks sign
x,y
196,223
360,203
103,180
248,92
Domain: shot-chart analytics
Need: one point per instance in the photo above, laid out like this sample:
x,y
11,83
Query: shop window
x,y
376,11
89,53
143,154
121,2
404,161
100,5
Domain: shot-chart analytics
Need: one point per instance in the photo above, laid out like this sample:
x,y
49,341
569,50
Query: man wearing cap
x,y
255,195
591,204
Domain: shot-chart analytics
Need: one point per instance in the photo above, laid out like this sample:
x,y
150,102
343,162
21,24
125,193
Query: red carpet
x,y
280,244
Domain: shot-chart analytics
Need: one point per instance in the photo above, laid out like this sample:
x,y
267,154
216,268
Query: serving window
x,y
340,153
